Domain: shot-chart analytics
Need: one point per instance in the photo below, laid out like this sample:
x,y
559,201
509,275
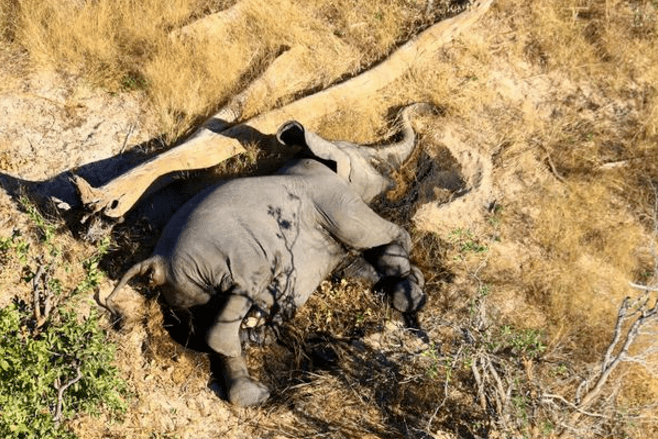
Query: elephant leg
x,y
224,338
359,269
259,328
402,281
386,247
356,225
390,260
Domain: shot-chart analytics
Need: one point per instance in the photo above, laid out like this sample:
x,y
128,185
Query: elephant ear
x,y
293,133
355,164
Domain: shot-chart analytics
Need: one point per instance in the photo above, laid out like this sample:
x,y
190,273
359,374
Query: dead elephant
x,y
268,242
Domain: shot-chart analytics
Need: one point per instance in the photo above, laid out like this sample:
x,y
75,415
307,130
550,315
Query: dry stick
x,y
46,300
60,394
611,362
552,165
445,392
36,293
550,396
125,140
207,148
643,287
478,381
621,318
501,397
41,277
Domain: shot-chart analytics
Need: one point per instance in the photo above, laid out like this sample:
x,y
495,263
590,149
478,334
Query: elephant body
x,y
275,237
268,242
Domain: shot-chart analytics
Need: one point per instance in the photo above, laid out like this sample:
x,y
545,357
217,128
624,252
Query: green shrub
x,y
36,362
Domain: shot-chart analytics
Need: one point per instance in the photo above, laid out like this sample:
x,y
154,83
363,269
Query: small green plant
x,y
547,428
134,81
46,229
94,275
466,242
53,363
476,302
14,245
521,406
560,370
53,372
432,353
494,218
527,342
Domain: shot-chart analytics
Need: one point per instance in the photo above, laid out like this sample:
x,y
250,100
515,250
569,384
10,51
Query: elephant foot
x,y
407,294
259,328
242,390
245,392
260,336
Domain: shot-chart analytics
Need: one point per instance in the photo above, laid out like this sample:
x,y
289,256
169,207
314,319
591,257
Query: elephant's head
x,y
364,167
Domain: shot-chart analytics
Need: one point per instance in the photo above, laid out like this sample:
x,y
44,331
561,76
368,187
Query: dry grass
x,y
123,46
561,95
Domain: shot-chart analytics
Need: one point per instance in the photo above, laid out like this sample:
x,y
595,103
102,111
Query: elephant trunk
x,y
396,153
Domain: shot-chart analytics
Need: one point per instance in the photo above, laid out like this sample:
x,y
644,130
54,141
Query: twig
x,y
643,287
621,317
501,395
552,165
611,361
60,394
36,294
40,295
125,140
478,381
446,382
572,405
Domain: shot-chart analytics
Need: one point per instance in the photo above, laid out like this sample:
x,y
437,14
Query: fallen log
x,y
212,143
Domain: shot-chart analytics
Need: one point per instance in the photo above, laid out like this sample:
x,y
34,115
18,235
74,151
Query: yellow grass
x,y
124,45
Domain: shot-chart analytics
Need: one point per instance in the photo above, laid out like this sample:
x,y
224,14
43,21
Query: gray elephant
x,y
267,242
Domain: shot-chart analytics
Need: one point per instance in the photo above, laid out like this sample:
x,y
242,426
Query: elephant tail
x,y
154,265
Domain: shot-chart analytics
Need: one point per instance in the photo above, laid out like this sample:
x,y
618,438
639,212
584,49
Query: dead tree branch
x,y
478,380
60,394
643,287
611,361
41,296
209,146
632,317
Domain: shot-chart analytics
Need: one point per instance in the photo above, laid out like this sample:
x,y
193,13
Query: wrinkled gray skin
x,y
269,241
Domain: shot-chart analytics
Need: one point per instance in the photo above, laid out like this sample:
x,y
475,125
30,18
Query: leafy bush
x,y
37,364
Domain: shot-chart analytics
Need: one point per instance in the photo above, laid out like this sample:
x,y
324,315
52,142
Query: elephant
x,y
267,242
